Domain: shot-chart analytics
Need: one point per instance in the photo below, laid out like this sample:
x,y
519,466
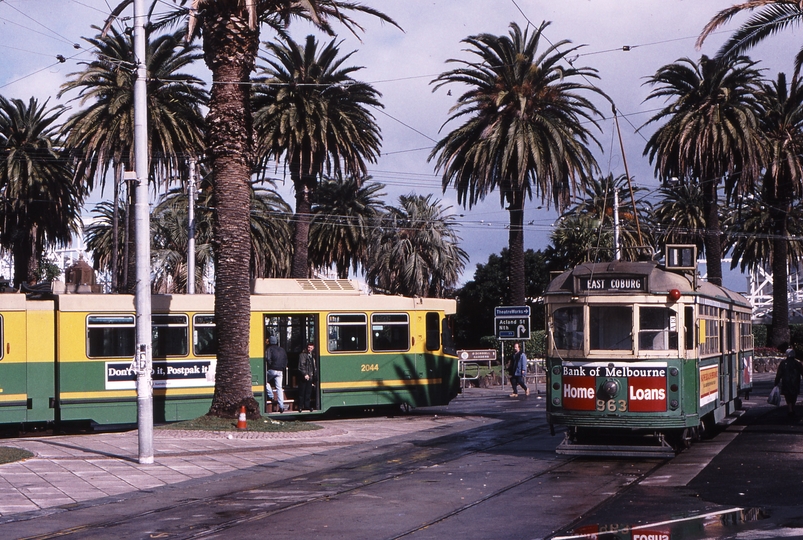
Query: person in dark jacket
x,y
275,364
788,378
517,369
306,368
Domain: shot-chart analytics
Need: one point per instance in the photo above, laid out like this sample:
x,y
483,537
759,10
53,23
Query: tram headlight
x,y
673,371
556,370
556,402
608,390
673,404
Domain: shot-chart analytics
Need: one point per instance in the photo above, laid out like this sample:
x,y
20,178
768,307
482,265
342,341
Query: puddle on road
x,y
723,524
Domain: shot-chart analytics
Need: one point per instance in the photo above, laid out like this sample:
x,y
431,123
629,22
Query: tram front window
x,y
567,331
611,328
657,329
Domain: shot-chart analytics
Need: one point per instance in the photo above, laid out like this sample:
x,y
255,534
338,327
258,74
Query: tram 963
x,y
66,358
642,357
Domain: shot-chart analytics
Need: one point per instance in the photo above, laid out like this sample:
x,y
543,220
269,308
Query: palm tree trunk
x,y
303,177
516,246
779,211
230,48
712,241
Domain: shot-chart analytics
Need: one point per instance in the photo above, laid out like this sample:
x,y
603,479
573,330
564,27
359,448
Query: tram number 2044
x,y
369,367
612,405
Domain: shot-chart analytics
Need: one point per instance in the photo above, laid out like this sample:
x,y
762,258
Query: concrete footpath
x,y
68,470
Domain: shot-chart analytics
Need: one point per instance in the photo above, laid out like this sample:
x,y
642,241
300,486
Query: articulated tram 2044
x,y
66,358
642,357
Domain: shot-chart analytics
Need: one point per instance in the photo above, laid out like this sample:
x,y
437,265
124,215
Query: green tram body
x,y
66,357
641,358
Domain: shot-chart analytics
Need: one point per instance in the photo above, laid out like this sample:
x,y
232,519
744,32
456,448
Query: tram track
x,y
387,463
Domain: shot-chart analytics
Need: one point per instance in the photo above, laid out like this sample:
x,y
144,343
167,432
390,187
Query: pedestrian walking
x,y
788,378
275,364
517,370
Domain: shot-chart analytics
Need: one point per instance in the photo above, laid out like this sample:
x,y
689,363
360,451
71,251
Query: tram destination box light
x,y
681,257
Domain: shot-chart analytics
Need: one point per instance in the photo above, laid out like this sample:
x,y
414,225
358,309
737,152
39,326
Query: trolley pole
x,y
143,360
191,229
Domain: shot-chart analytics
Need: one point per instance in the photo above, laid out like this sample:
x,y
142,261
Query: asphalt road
x,y
499,479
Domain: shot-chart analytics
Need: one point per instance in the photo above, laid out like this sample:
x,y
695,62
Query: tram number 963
x,y
612,405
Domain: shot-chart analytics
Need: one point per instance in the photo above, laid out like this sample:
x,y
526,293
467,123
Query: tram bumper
x,y
646,447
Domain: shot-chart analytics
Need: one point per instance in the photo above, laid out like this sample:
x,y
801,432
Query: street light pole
x,y
143,360
191,229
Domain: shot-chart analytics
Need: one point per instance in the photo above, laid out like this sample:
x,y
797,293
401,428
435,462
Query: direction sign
x,y
477,354
512,327
512,311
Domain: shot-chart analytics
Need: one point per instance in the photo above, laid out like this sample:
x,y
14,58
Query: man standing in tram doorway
x,y
517,370
306,367
275,364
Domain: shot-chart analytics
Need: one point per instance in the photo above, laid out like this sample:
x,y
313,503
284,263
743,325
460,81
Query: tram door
x,y
293,333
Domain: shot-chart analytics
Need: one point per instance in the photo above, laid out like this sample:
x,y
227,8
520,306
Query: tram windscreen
x,y
658,329
567,328
611,328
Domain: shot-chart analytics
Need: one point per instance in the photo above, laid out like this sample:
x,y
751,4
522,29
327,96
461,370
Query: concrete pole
x,y
142,237
191,229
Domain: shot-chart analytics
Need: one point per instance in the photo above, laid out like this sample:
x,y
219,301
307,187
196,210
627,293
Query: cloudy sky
x,y
401,65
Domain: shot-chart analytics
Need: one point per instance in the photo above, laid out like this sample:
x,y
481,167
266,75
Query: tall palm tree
x,y
773,16
710,134
782,127
41,202
310,110
343,218
527,129
597,203
415,251
230,35
101,135
678,217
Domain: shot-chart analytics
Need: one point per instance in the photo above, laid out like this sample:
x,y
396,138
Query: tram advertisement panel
x,y
709,384
165,374
625,386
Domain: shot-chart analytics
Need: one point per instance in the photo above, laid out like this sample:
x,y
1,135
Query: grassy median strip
x,y
9,454
265,424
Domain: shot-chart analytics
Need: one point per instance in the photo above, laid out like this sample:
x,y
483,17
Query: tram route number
x,y
369,367
612,405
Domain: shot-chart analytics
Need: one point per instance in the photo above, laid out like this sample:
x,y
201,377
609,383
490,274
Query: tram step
x,y
578,449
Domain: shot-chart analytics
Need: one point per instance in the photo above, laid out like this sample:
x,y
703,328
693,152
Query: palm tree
x,y
773,17
230,34
711,133
101,135
678,217
578,238
598,206
40,200
344,216
414,251
527,129
310,110
782,127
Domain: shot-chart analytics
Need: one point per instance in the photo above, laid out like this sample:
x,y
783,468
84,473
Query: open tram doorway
x,y
293,332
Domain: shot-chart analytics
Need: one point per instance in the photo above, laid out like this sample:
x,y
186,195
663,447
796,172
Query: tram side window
x,y
746,331
390,332
611,328
204,336
169,335
689,320
433,320
658,329
567,328
709,330
110,335
347,332
2,338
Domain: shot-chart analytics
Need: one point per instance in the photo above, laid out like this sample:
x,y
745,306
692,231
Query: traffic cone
x,y
241,423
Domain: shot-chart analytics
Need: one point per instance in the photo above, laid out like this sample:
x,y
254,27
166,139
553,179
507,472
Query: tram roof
x,y
659,279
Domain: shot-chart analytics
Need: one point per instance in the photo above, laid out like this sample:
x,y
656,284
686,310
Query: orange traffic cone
x,y
241,423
